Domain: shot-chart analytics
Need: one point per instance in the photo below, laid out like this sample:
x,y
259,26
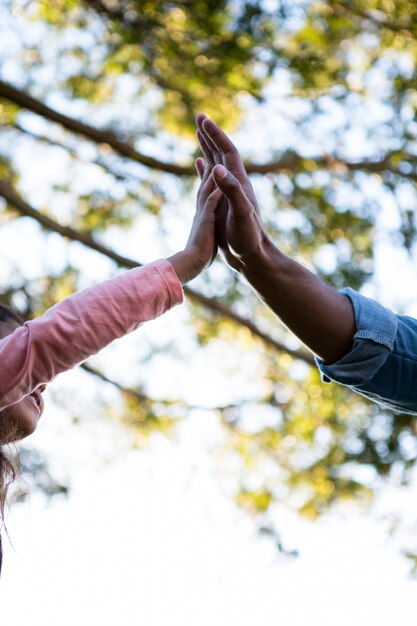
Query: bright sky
x,y
151,537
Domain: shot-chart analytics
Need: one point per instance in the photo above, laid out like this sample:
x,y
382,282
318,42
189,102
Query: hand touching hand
x,y
239,229
321,317
201,247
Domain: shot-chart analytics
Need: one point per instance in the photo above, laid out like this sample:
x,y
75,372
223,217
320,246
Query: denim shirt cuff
x,y
376,329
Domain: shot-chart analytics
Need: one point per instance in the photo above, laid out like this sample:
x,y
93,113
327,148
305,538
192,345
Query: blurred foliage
x,y
341,76
35,474
182,48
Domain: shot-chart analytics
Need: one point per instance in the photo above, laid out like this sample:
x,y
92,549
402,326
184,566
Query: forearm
x,y
316,313
81,325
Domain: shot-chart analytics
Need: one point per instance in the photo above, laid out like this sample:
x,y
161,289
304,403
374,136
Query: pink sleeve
x,y
81,325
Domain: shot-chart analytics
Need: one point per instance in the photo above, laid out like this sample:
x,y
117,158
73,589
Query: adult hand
x,y
239,229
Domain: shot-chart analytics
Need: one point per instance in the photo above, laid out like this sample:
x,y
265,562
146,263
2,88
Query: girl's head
x,y
17,421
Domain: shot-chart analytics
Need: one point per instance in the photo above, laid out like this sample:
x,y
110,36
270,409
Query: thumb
x,y
231,187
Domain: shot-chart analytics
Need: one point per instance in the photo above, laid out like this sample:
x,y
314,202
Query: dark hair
x,y
7,315
8,469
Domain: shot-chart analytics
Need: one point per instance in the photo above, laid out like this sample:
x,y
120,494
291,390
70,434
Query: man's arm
x,y
316,313
322,318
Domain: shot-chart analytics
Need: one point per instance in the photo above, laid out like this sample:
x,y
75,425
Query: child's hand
x,y
201,247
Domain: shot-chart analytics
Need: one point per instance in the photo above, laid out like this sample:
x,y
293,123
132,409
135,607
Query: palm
x,y
224,233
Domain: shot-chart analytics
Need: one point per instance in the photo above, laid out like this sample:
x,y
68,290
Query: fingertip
x,y
200,166
214,197
220,172
199,118
208,124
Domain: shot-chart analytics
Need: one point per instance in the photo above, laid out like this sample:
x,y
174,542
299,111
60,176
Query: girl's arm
x,y
81,325
87,321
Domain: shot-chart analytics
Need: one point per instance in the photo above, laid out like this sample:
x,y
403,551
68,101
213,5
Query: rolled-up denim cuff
x,y
373,321
376,329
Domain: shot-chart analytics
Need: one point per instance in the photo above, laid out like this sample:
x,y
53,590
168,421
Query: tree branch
x,y
327,162
71,151
286,163
397,27
215,305
100,136
141,397
133,393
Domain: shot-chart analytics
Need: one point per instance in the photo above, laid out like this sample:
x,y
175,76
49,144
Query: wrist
x,y
185,266
266,260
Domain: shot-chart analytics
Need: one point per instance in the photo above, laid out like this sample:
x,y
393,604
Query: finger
x,y
207,176
199,119
232,189
230,154
213,199
217,136
200,166
209,209
216,156
205,148
207,187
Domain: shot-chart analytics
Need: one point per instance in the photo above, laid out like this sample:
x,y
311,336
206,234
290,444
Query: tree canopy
x,y
320,97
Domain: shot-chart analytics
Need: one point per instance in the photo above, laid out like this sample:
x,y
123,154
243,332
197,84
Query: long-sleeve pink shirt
x,y
81,325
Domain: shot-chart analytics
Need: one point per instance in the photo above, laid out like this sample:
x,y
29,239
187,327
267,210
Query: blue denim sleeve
x,y
382,364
